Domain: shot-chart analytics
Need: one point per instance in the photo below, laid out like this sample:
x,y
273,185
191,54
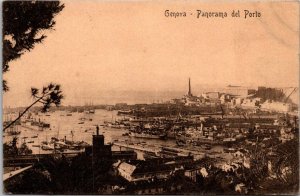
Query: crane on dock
x,y
287,98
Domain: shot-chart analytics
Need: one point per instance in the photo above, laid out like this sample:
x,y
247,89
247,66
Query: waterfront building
x,y
100,153
250,103
275,106
158,169
225,98
238,101
189,99
286,134
239,91
192,174
99,149
121,104
124,155
177,101
144,171
211,95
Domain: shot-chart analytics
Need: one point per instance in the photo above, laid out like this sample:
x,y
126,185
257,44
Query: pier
x,y
135,147
25,160
8,175
161,150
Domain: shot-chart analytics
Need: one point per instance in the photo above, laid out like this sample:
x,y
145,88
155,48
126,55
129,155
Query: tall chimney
x,y
190,90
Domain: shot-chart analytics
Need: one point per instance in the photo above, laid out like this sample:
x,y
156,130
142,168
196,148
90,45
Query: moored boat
x,y
13,132
197,140
143,135
47,147
147,135
124,112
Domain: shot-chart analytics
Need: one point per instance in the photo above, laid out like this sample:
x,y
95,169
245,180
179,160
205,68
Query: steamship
x,y
147,135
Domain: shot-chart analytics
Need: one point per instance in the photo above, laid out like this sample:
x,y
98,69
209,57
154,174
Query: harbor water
x,y
77,127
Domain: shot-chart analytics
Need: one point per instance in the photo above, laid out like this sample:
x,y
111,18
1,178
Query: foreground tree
x,y
24,23
10,148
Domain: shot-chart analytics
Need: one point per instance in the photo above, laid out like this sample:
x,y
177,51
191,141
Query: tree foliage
x,y
33,181
10,149
24,23
23,26
48,96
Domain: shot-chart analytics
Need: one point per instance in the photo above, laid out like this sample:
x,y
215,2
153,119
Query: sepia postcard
x,y
148,97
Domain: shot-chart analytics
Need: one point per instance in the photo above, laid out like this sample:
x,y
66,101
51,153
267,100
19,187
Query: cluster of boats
x,y
147,131
13,132
83,119
198,130
117,124
139,128
61,145
181,129
35,125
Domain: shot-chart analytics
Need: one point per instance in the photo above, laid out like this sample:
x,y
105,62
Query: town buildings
x,y
265,99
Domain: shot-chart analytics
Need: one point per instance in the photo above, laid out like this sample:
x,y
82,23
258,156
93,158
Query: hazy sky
x,y
99,45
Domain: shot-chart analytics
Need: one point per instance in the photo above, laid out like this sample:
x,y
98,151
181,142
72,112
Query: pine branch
x,y
10,124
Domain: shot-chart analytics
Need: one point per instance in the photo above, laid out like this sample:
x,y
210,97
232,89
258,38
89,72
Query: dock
x,y
14,173
178,151
135,147
26,160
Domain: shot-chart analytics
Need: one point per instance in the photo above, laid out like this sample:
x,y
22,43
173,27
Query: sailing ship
x,y
89,108
13,132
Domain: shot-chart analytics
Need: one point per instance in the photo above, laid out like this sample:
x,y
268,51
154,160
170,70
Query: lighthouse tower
x,y
190,90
